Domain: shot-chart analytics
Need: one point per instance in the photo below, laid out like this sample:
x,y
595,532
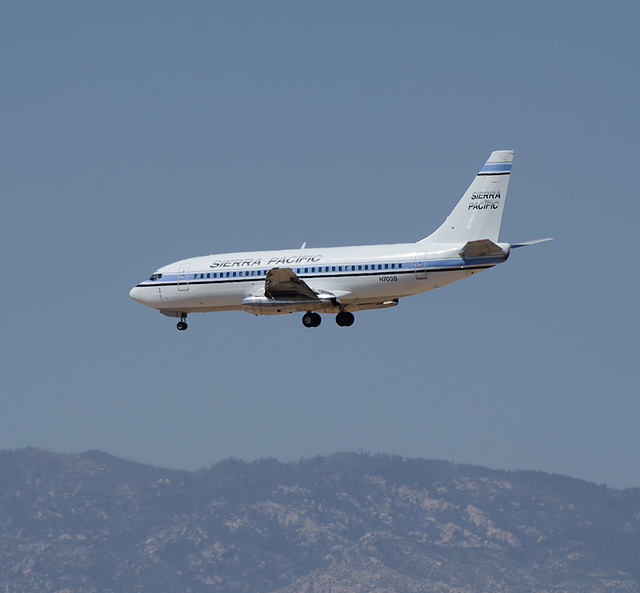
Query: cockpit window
x,y
155,277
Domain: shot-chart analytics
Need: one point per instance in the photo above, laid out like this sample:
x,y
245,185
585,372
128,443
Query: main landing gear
x,y
343,319
182,324
311,319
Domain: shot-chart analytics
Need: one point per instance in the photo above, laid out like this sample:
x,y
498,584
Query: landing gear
x,y
182,324
311,319
345,319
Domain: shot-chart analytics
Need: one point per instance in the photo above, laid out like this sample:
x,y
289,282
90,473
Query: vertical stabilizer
x,y
478,214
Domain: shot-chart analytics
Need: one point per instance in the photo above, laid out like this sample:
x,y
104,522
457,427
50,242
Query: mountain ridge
x,y
336,524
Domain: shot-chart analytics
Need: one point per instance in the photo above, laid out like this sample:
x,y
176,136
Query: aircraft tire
x,y
182,325
311,319
345,319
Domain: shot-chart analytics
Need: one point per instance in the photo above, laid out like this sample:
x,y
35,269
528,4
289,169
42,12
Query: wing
x,y
283,284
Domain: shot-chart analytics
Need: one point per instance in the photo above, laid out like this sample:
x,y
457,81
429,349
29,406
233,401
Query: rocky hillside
x,y
345,523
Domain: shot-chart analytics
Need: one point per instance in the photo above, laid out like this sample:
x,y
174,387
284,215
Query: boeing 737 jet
x,y
342,280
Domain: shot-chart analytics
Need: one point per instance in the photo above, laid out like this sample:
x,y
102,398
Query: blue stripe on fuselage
x,y
406,267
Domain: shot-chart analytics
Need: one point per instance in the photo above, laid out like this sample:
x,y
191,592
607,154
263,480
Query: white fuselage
x,y
359,277
342,280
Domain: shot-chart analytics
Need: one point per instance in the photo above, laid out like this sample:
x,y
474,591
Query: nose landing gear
x,y
182,324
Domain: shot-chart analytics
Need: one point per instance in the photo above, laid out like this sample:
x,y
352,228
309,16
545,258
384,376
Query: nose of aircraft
x,y
136,294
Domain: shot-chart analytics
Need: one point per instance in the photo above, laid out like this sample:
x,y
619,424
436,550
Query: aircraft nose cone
x,y
136,294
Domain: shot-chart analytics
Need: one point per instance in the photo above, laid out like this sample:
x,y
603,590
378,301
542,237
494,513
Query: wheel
x,y
311,319
182,325
345,319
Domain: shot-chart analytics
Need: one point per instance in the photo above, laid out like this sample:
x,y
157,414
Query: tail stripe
x,y
496,169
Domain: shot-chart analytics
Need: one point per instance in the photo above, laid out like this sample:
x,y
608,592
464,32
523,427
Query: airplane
x,y
342,280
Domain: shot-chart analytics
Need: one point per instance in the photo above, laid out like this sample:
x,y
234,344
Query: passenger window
x,y
359,267
386,266
399,265
339,268
333,269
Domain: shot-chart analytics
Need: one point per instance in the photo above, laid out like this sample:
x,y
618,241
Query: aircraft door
x,y
183,276
421,266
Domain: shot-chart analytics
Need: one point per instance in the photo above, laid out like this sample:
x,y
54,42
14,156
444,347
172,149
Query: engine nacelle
x,y
261,305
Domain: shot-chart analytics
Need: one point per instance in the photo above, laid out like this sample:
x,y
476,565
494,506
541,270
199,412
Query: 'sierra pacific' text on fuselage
x,y
240,263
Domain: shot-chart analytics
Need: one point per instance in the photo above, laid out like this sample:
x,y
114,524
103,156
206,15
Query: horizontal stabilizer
x,y
480,248
527,243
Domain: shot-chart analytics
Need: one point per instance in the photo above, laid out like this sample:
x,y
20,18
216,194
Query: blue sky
x,y
137,134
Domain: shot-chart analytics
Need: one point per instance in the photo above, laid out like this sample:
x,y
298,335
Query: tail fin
x,y
479,212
